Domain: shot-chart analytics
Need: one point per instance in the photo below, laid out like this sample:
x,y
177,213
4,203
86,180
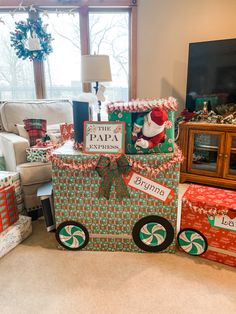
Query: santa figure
x,y
152,126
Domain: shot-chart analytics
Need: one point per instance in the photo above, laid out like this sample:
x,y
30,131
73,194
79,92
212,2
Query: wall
x,y
165,28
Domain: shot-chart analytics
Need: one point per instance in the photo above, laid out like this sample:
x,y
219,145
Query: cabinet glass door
x,y
230,156
205,152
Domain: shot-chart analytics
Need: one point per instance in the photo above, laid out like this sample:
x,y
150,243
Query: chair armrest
x,y
13,148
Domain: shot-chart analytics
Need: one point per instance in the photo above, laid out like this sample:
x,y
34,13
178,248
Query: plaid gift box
x,y
149,124
208,224
36,129
138,222
8,210
67,131
8,178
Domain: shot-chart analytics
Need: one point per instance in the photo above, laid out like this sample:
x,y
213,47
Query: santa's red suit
x,y
153,129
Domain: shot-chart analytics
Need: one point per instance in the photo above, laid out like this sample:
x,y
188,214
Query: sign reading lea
x,y
104,137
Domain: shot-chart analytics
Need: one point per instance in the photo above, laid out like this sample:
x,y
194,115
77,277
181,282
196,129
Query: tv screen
x,y
211,74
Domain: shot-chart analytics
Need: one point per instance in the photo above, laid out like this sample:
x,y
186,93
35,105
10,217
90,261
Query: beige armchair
x,y
13,146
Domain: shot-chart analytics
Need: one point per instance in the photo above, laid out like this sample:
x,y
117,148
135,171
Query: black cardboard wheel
x,y
192,241
72,235
153,233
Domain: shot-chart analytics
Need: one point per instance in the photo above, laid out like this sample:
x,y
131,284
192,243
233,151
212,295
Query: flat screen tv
x,y
211,74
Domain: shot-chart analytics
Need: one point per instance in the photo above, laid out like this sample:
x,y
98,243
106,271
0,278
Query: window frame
x,y
129,6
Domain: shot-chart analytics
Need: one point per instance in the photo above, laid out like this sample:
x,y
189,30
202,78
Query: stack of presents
x,y
43,146
14,227
126,199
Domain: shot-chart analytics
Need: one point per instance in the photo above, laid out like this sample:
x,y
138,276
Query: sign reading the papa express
x,y
104,137
150,187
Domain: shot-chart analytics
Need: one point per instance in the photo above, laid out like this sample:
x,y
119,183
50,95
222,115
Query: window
x,y
62,67
109,34
16,75
94,27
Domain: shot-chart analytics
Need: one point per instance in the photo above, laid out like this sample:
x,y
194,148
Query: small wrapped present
x,y
8,209
208,224
2,163
15,234
149,124
8,178
39,152
36,129
67,131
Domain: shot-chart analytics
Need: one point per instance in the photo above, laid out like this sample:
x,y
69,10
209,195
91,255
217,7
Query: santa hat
x,y
158,116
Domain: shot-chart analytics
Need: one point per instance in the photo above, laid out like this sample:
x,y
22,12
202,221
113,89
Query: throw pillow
x,y
36,129
22,131
53,131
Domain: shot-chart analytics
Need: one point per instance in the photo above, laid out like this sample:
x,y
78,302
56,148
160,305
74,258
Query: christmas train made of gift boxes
x,y
133,205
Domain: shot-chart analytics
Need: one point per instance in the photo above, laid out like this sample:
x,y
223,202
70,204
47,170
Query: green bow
x,y
111,172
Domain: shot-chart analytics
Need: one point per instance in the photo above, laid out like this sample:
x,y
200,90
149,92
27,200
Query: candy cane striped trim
x,y
201,210
141,105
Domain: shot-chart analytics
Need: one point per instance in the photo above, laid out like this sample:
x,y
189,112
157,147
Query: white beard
x,y
150,128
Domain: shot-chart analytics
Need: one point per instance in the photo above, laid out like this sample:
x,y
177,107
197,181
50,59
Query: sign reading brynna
x,y
150,187
104,137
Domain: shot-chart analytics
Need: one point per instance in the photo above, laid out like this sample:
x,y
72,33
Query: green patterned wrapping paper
x,y
2,163
37,154
129,117
109,222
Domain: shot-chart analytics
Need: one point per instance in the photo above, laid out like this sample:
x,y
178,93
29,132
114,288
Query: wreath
x,y
30,40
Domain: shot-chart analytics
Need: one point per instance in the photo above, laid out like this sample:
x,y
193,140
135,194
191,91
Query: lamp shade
x,y
95,68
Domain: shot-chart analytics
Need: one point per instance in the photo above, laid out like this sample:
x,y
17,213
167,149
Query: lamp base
x,y
99,108
96,87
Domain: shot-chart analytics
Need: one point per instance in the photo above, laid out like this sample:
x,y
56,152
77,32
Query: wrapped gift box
x,y
2,163
208,224
148,120
13,178
67,131
15,234
112,224
37,154
8,210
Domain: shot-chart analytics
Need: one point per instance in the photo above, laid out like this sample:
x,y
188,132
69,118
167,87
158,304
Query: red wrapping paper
x,y
212,212
67,131
8,209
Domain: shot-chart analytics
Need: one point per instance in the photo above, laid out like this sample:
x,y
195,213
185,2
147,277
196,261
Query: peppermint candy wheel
x,y
192,242
72,235
153,233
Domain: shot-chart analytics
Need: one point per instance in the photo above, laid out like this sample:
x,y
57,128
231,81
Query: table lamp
x,y
96,68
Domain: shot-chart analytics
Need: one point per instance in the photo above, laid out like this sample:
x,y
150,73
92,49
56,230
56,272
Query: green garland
x,y
19,39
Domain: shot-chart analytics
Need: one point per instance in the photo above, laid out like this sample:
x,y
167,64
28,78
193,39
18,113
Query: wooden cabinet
x,y
210,153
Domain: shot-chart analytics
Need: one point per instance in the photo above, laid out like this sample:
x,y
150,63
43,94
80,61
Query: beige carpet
x,y
36,277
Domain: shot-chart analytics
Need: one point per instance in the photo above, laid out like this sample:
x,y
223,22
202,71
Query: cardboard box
x,y
15,234
150,121
113,223
208,224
